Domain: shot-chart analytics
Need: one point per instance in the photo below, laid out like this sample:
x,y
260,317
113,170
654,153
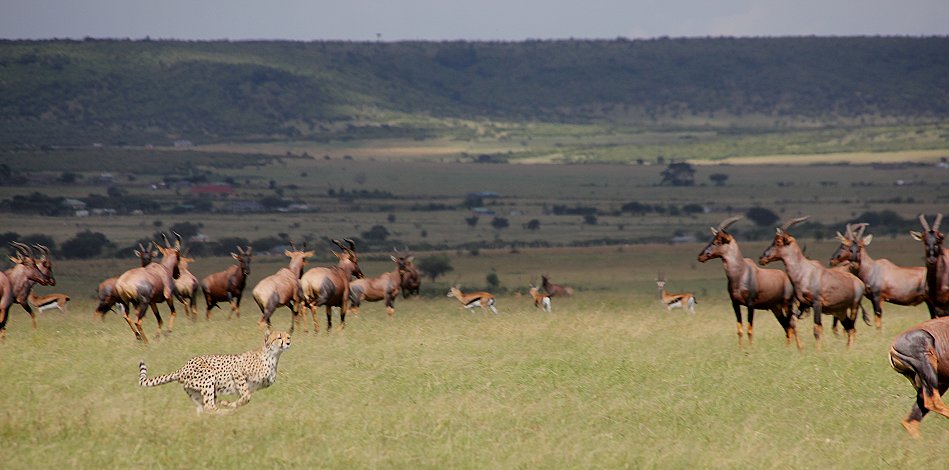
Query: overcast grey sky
x,y
393,20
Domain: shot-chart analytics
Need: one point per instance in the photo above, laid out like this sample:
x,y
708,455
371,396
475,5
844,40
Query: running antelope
x,y
555,290
937,267
329,286
671,301
228,285
921,354
474,299
49,301
106,292
382,287
541,299
17,282
750,285
828,291
885,281
187,287
283,288
148,286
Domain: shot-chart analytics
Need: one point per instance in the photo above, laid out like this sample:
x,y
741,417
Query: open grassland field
x,y
608,379
422,204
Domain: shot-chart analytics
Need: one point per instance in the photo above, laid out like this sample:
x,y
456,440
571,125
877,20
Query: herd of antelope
x,y
921,353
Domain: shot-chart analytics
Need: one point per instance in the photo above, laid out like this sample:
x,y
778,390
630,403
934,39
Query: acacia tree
x,y
434,266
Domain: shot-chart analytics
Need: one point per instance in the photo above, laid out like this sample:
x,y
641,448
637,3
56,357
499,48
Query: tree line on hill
x,y
64,92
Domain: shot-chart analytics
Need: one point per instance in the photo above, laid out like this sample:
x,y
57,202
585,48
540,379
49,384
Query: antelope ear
x,y
916,235
16,260
409,258
841,237
138,253
308,254
235,256
778,231
714,230
867,239
335,254
394,258
287,253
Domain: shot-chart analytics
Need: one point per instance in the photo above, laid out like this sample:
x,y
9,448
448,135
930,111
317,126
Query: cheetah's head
x,y
277,340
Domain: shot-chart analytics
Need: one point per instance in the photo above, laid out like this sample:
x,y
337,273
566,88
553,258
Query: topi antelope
x,y
473,299
227,285
885,281
106,292
186,288
921,354
555,290
671,301
17,282
937,267
49,301
146,287
329,286
283,288
750,285
382,287
828,291
409,273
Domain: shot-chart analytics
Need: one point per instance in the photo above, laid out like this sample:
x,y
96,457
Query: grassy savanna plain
x,y
608,379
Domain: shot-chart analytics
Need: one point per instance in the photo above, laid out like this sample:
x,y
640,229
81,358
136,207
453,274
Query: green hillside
x,y
62,92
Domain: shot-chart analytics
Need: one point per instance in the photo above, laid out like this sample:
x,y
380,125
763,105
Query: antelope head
x,y
720,241
172,253
348,259
931,237
783,242
27,260
243,259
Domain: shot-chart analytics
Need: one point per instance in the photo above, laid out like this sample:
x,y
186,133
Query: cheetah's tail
x,y
144,381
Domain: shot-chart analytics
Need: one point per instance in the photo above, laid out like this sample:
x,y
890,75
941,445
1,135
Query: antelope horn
x,y
727,222
22,249
794,222
936,222
142,248
293,246
339,244
352,244
859,229
45,251
922,221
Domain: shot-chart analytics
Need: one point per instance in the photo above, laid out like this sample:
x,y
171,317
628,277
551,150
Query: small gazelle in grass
x,y
671,301
49,301
473,299
541,299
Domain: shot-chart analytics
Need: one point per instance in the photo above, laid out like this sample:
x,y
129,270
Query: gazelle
x,y
541,299
473,299
49,301
671,301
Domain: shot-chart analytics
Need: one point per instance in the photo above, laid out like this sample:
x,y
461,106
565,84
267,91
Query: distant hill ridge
x,y
61,92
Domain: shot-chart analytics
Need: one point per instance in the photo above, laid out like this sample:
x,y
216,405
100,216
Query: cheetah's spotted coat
x,y
204,377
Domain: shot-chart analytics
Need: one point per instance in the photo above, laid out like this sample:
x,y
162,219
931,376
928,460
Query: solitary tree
x,y
761,216
434,266
678,174
718,178
499,223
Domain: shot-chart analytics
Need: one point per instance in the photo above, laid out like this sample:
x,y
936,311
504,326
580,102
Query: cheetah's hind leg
x,y
196,397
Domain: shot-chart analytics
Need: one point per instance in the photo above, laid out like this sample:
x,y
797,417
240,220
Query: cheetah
x,y
204,377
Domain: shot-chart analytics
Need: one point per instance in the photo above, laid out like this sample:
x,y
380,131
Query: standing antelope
x,y
885,281
106,292
409,273
329,286
382,287
18,281
555,290
186,288
148,286
671,301
831,291
474,299
228,285
283,288
541,299
750,285
937,267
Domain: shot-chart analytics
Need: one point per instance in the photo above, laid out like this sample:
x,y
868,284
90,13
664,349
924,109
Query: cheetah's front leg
x,y
244,390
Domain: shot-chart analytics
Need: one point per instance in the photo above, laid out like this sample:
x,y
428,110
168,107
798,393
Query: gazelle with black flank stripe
x,y
671,301
49,301
474,299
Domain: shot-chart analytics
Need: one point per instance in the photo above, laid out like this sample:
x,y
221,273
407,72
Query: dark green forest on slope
x,y
66,92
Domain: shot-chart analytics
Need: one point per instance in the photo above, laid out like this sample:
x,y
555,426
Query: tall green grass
x,y
609,379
